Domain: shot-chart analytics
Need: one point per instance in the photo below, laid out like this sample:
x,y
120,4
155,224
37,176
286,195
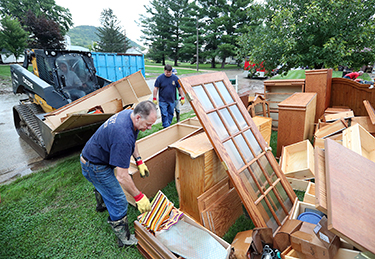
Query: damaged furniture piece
x,y
296,119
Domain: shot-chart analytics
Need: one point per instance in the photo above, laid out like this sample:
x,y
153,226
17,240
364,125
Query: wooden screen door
x,y
254,171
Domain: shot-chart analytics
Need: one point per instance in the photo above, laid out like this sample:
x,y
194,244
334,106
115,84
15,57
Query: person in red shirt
x,y
353,75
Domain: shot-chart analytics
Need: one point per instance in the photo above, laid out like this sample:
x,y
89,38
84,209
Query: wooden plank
x,y
222,214
350,210
337,116
320,181
370,110
331,129
365,122
212,194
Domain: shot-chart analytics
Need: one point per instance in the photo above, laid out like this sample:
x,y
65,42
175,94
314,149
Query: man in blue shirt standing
x,y
166,85
111,147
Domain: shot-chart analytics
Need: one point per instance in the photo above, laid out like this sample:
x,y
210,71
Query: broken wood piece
x,y
333,110
222,213
350,214
320,181
337,116
319,142
359,140
365,122
370,110
331,129
297,160
298,184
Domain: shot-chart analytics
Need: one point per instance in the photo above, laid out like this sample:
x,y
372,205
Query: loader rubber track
x,y
27,126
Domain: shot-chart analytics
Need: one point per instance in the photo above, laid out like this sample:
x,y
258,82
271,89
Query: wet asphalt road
x,y
19,159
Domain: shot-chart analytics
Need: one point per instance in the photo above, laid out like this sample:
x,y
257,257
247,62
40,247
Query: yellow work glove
x,y
142,168
143,203
155,101
182,101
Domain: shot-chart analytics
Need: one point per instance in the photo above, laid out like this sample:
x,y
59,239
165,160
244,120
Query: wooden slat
x,y
337,116
331,129
350,196
320,181
370,110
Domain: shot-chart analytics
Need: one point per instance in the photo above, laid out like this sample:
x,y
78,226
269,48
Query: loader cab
x,y
74,76
75,80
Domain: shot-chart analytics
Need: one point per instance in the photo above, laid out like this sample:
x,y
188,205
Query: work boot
x,y
121,229
177,116
100,205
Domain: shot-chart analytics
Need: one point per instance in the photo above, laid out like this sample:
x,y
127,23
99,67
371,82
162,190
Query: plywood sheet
x,y
222,214
320,181
350,195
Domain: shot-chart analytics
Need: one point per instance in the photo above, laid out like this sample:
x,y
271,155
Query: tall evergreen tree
x,y
112,38
12,36
156,29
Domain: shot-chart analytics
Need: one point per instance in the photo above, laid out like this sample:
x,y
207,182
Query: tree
x,y
111,36
12,36
316,33
45,33
156,29
48,8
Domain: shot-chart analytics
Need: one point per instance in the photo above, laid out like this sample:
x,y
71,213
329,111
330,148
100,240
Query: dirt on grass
x,y
5,85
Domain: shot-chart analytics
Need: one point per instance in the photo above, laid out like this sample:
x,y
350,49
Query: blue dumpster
x,y
114,66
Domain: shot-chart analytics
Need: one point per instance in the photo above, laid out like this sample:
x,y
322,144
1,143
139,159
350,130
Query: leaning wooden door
x,y
250,164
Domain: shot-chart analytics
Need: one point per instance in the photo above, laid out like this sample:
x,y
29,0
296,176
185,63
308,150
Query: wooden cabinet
x,y
198,168
296,119
319,82
276,91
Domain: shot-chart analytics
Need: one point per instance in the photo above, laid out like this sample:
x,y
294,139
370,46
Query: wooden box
x,y
198,168
151,247
310,194
264,125
296,119
159,159
360,141
276,91
297,160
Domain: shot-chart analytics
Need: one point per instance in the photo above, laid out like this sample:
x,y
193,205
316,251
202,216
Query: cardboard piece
x,y
324,235
241,244
281,240
307,243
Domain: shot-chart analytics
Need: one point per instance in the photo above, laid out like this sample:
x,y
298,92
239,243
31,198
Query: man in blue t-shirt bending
x,y
166,85
111,147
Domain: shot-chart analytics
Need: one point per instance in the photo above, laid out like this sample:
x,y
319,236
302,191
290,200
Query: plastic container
x,y
310,217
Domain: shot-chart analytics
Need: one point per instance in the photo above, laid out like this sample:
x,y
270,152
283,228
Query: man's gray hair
x,y
144,108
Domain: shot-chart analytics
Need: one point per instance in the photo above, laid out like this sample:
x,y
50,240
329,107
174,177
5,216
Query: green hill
x,y
84,35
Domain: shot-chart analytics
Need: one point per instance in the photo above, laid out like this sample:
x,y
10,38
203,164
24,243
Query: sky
x,y
88,13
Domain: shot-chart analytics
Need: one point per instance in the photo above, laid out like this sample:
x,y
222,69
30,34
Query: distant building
x,y
10,59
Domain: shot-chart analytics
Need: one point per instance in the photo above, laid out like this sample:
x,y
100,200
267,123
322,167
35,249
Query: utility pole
x,y
197,48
